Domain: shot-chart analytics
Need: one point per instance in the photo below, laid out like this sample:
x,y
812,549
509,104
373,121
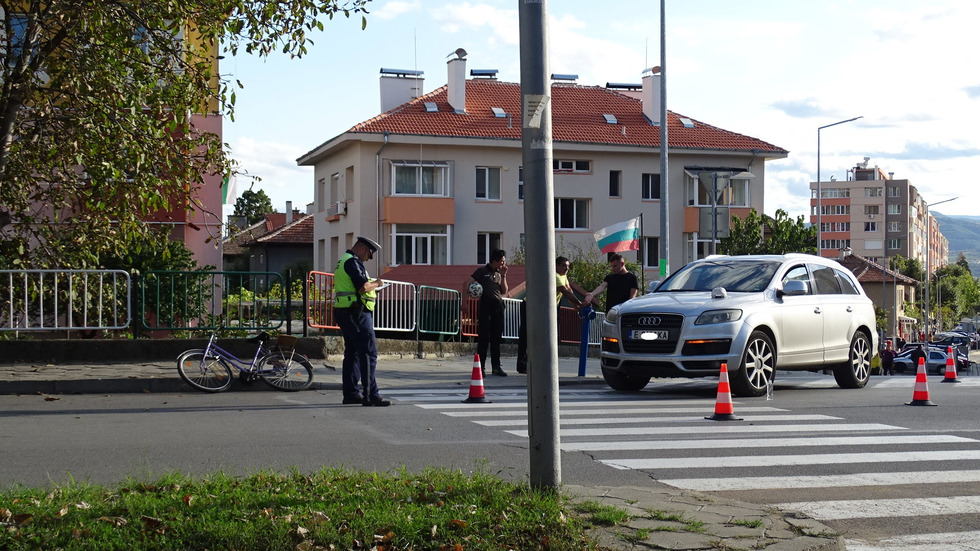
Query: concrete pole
x,y
664,147
539,216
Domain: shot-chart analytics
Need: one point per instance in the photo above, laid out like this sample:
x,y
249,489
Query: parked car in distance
x,y
935,363
961,341
756,314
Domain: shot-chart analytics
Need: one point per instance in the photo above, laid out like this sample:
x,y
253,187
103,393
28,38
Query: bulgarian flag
x,y
624,236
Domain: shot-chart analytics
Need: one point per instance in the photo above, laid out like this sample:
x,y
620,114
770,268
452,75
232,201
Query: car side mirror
x,y
793,288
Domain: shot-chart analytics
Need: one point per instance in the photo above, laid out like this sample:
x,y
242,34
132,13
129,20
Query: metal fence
x,y
46,300
57,300
173,300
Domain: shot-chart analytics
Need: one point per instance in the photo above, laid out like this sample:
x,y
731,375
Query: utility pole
x,y
542,315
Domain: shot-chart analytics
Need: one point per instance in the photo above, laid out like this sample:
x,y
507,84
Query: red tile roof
x,y
299,231
868,271
577,116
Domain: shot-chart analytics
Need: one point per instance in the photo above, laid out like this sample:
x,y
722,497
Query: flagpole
x,y
639,256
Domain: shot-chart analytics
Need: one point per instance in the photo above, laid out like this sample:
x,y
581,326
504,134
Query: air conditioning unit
x,y
338,208
871,216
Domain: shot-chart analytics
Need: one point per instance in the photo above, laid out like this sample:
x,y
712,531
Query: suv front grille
x,y
667,322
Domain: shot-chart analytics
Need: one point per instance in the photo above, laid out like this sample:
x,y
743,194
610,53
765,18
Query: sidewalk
x,y
707,522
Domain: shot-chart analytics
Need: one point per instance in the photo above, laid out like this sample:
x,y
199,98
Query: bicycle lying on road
x,y
279,365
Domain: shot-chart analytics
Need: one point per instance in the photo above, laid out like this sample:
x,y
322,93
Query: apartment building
x,y
876,217
437,177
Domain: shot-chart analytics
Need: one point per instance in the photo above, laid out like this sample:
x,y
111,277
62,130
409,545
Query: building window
x,y
872,192
488,183
835,244
696,247
651,186
486,243
835,209
894,226
894,244
420,178
421,244
870,226
651,252
871,209
571,214
520,183
615,183
571,166
894,191
730,192
835,226
832,193
894,209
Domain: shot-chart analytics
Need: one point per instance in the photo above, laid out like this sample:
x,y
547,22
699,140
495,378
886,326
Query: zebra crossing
x,y
670,438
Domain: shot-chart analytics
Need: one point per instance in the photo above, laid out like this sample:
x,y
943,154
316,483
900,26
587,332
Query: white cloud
x,y
391,10
275,163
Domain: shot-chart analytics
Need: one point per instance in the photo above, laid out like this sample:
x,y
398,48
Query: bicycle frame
x,y
235,361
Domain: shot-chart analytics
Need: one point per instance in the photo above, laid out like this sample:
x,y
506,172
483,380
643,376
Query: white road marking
x,y
782,460
718,427
608,405
832,481
569,411
947,541
760,442
885,508
641,420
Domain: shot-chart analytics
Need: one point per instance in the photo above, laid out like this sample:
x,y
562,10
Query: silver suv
x,y
794,311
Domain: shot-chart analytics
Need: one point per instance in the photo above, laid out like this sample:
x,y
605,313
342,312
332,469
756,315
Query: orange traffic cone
x,y
950,376
476,384
724,410
920,396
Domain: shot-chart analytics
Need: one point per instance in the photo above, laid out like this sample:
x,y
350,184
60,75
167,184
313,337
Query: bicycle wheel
x,y
210,374
286,370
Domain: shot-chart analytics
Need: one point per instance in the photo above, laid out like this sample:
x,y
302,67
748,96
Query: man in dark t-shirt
x,y
490,323
620,285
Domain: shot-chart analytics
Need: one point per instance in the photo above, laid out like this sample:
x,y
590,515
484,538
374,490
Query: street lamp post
x,y
819,248
929,255
939,301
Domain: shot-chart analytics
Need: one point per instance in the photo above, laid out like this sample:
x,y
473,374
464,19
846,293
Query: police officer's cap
x,y
369,243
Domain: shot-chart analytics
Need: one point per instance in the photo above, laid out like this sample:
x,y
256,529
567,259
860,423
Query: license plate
x,y
645,335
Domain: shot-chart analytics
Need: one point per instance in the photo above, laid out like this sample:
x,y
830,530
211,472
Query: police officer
x,y
355,295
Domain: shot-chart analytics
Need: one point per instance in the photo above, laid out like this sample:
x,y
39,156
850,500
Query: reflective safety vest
x,y
345,294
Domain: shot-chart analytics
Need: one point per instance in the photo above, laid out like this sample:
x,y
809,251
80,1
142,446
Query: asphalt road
x,y
903,470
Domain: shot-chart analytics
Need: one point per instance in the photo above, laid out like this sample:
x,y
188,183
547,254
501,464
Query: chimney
x,y
651,95
399,86
456,84
289,212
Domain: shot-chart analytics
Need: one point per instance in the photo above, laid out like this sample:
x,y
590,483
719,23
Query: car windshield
x,y
738,276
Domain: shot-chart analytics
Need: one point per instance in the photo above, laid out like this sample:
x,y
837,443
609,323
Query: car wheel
x,y
856,371
758,366
620,381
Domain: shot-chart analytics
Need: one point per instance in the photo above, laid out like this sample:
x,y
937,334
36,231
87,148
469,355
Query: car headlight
x,y
612,316
718,316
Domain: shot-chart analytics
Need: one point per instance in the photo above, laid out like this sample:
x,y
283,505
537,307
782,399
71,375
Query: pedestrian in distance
x,y
620,285
918,353
888,359
564,288
355,296
490,322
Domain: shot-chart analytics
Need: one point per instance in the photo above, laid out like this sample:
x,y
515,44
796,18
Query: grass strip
x,y
437,509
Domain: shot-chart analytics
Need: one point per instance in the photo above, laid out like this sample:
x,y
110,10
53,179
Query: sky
x,y
776,70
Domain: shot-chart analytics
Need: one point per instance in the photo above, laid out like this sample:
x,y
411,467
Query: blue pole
x,y
587,314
